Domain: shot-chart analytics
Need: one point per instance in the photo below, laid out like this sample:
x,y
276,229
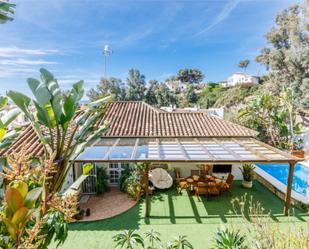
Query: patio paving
x,y
109,204
173,215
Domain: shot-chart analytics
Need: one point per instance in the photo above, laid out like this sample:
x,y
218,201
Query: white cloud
x,y
23,62
21,52
8,72
223,14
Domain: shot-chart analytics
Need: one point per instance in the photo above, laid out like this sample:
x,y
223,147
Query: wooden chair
x,y
195,172
213,189
181,182
201,189
227,185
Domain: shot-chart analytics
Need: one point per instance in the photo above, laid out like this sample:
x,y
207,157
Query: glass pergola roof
x,y
183,150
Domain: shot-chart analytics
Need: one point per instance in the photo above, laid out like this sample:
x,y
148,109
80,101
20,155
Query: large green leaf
x,y
21,100
42,115
20,216
11,227
32,197
78,91
10,116
14,199
46,76
39,91
3,101
2,133
22,187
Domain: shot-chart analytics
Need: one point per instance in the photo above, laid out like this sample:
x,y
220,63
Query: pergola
x,y
189,149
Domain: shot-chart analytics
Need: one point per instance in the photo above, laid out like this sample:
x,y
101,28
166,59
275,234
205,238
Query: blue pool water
x,y
280,172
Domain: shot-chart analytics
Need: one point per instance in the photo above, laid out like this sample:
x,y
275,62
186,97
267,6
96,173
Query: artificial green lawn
x,y
173,214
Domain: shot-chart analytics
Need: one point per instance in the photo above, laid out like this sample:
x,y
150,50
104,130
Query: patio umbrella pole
x,y
289,189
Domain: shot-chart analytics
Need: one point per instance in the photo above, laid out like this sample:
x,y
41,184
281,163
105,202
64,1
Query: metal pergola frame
x,y
248,150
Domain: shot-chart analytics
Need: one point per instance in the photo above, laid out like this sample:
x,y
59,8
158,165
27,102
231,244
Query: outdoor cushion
x,y
160,178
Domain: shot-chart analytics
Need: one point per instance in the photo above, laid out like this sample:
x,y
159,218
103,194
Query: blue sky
x,y
158,37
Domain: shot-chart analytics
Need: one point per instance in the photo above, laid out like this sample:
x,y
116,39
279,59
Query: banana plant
x,y
20,202
67,129
6,135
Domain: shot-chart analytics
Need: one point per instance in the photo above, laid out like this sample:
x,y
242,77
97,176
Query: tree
x,y
274,117
188,75
66,134
136,85
108,86
151,97
190,94
210,94
6,9
244,64
287,56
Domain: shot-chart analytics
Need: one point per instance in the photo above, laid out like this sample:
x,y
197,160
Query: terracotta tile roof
x,y
138,119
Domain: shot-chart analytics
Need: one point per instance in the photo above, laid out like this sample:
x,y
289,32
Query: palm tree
x,y
128,240
180,243
6,8
153,237
244,64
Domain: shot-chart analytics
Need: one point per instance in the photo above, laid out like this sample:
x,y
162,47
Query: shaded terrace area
x,y
194,150
173,214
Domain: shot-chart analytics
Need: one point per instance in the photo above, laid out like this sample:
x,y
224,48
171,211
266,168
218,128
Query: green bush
x,y
126,173
102,180
130,181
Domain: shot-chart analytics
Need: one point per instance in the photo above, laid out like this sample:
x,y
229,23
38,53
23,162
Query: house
x,y
241,78
176,85
218,112
184,140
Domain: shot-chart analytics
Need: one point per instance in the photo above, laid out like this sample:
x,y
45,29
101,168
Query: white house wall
x,y
185,169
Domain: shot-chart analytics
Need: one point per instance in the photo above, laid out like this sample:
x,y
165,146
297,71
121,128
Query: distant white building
x,y
241,78
176,85
217,112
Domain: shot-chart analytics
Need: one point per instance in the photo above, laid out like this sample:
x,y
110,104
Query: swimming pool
x,y
280,174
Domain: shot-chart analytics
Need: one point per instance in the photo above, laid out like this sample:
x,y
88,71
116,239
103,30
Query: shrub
x,y
261,232
130,181
230,239
102,180
126,173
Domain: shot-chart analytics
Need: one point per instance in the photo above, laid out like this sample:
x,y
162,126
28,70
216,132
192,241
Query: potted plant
x,y
298,148
247,171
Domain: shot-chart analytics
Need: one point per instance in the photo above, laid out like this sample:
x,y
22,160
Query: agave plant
x,y
128,240
230,239
19,204
59,124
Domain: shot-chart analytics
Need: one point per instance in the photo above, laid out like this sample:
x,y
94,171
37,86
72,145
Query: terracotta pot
x,y
298,153
247,184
